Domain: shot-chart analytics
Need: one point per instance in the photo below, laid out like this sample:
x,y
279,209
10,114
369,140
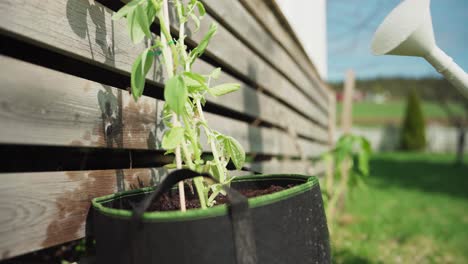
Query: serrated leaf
x,y
126,9
140,68
235,151
173,138
175,94
224,89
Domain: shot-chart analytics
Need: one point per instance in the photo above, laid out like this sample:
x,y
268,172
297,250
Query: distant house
x,y
357,96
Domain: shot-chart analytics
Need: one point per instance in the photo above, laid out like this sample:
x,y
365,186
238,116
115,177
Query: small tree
x,y
413,134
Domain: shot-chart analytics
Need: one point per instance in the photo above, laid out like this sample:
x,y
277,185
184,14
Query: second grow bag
x,y
288,226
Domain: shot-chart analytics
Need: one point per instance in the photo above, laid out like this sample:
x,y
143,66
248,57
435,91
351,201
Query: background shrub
x,y
413,134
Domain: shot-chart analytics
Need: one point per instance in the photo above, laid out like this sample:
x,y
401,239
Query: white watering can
x,y
407,31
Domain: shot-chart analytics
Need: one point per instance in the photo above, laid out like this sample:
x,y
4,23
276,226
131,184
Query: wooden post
x,y
337,196
346,124
346,114
331,141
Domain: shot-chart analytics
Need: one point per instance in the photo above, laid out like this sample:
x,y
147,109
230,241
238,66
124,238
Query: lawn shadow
x,y
426,175
346,256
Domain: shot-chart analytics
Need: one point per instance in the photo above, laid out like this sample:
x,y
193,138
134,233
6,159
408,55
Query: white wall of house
x,y
308,18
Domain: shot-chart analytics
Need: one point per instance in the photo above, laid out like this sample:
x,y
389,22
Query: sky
x,y
352,23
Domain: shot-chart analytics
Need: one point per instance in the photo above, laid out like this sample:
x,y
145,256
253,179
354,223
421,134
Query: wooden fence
x,y
65,67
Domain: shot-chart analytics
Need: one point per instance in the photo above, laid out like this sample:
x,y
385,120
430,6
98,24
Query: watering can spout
x,y
407,31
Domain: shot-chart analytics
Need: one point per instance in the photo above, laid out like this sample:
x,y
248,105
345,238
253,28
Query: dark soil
x,y
170,202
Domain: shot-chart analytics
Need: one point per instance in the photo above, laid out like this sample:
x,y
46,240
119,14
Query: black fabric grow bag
x,y
288,226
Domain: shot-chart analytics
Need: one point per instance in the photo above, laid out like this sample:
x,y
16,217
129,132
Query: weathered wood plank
x,y
275,166
40,210
87,32
263,107
53,108
250,31
262,10
231,52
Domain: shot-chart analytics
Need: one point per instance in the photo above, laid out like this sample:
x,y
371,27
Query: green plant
x,y
184,92
351,161
413,134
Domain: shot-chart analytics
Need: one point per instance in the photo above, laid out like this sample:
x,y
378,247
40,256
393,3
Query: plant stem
x,y
214,150
163,17
198,181
330,176
340,191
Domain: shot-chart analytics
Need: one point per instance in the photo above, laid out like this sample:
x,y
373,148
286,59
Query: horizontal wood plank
x,y
86,32
263,12
39,210
245,26
275,166
263,107
53,108
231,52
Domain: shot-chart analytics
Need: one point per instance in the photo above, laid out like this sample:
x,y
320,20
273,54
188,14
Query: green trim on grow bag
x,y
193,214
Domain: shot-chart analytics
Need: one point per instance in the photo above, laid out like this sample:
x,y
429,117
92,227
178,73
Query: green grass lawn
x,y
415,210
369,113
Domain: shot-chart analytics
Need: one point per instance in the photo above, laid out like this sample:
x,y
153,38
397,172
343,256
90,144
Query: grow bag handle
x,y
239,213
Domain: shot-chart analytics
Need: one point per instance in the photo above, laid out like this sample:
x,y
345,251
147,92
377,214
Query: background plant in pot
x,y
288,226
351,157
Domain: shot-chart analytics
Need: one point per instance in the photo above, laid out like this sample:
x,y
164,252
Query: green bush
x,y
413,134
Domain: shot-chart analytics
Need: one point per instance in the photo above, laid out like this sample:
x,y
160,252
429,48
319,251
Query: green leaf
x,y
126,9
365,145
194,82
201,9
235,151
173,138
224,89
142,20
196,20
215,73
363,163
140,68
364,156
175,94
151,12
198,51
134,28
157,5
196,77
